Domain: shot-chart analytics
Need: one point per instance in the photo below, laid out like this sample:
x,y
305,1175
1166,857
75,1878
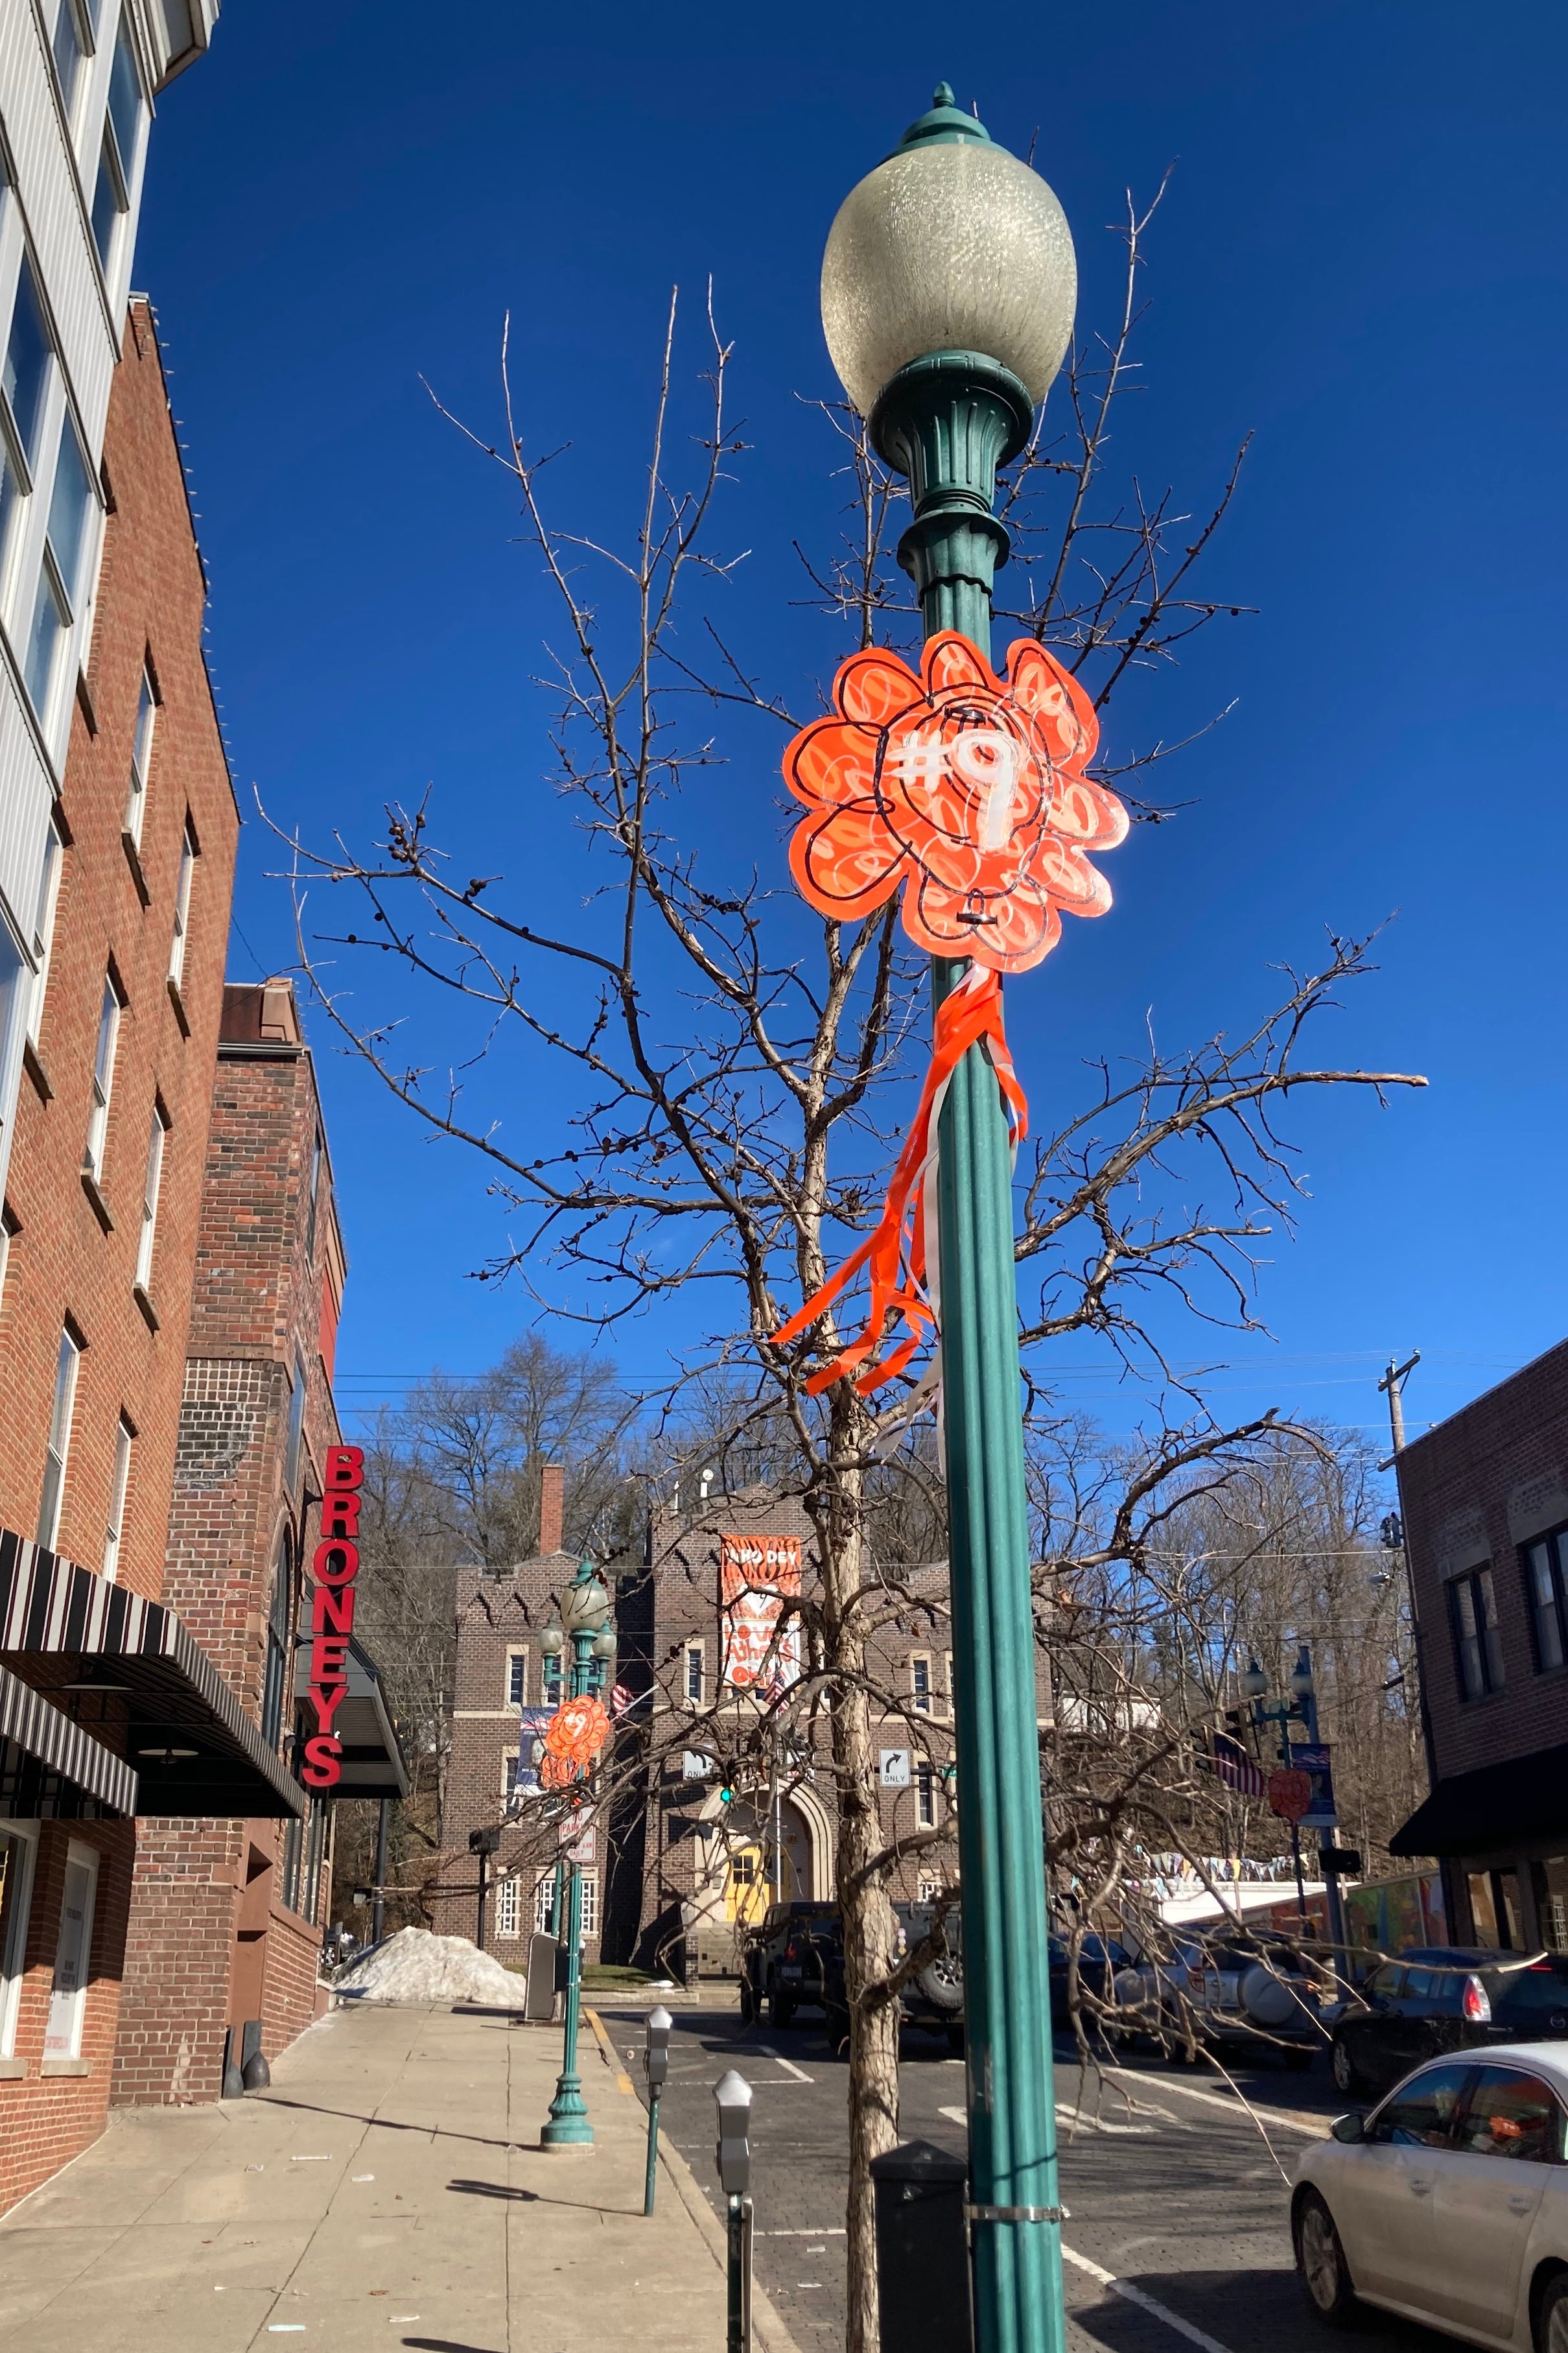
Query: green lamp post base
x,y
568,2125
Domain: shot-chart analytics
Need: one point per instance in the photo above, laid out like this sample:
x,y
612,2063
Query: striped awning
x,y
51,1770
136,1682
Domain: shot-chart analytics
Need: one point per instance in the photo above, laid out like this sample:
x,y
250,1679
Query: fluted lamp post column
x,y
585,1622
948,291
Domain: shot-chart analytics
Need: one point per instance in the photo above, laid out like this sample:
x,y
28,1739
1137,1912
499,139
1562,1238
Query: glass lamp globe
x,y
604,1643
551,1640
1301,1684
950,244
1254,1683
585,1605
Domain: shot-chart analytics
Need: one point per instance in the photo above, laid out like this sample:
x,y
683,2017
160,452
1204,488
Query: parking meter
x,y
732,2095
656,2067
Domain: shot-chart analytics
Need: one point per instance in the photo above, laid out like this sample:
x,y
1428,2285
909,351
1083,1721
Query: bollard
x,y
733,2094
656,2067
922,2251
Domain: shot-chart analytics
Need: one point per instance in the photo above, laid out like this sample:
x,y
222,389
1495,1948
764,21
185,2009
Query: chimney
x,y
551,1504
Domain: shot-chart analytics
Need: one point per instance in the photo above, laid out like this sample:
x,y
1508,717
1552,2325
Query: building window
x,y
183,906
73,1954
517,1679
60,1437
44,923
293,1852
296,1428
62,572
1544,1577
927,1890
508,1773
695,1674
920,1685
102,1081
925,1797
552,1678
544,1905
24,378
1477,1648
150,1187
509,1908
117,155
15,1902
140,758
121,1481
588,1902
279,1621
71,45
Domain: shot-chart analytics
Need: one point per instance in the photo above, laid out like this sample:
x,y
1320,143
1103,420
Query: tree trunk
x,y
865,1906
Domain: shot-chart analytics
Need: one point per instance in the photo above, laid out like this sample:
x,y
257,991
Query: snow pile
x,y
414,1966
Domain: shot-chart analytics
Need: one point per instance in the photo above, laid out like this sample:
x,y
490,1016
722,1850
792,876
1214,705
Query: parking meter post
x,y
656,2066
733,2098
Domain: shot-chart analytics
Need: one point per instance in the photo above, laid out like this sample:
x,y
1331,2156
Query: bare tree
x,y
726,1063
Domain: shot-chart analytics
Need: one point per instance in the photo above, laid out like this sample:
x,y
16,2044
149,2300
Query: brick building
x,y
107,1703
679,1867
226,1915
1484,1498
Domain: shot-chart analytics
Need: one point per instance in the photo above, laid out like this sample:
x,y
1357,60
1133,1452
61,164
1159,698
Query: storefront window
x,y
16,1891
1551,1902
67,1997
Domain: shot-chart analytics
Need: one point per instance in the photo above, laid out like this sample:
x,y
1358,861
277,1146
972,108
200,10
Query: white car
x,y
1449,2203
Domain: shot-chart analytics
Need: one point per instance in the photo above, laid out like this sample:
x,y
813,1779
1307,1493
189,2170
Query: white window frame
x,y
698,1651
124,1438
140,747
544,1901
509,1908
87,49
72,599
926,1802
922,1703
67,2010
152,1184
517,1656
62,1413
48,908
588,1902
511,1766
8,1232
188,855
103,1062
26,464
23,1839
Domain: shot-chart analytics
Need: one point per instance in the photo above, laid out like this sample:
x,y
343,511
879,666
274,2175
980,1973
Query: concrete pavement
x,y
388,2190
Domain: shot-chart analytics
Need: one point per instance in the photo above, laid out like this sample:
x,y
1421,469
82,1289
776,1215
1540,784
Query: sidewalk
x,y
389,2191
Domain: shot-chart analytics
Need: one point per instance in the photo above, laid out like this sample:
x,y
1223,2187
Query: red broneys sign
x,y
335,1567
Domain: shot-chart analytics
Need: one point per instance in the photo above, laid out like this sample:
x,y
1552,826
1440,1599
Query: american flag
x,y
1235,1767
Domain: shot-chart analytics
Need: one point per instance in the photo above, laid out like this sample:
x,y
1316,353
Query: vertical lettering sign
x,y
756,1575
335,1567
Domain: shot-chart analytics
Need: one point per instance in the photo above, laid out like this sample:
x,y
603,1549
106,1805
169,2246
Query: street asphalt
x,y
1175,2194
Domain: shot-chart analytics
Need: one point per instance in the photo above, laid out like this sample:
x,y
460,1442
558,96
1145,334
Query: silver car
x,y
1449,2203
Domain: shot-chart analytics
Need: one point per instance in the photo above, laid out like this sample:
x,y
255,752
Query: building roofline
x,y
1479,1398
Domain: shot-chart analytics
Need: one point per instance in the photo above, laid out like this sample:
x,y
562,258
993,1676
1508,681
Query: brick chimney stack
x,y
551,1505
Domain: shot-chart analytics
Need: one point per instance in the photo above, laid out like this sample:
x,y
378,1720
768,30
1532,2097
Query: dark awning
x,y
1493,1809
131,1675
372,1764
53,1770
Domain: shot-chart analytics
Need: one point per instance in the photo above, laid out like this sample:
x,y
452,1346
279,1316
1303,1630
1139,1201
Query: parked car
x,y
1449,2204
1445,1997
776,1973
1250,1992
804,1969
1100,1961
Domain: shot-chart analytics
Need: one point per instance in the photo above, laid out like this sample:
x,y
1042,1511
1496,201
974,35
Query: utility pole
x,y
1393,1382
1394,1537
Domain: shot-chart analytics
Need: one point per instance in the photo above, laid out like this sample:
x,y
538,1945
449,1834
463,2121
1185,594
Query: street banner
x,y
756,1575
1289,1793
1311,1757
533,1723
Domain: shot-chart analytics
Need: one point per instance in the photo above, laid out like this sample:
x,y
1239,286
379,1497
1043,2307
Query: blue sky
x,y
1361,259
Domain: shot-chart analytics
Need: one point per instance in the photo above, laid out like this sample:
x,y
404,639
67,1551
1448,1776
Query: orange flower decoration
x,y
573,1739
970,794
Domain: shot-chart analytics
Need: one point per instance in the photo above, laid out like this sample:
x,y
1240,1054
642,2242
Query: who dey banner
x,y
1311,1757
762,1647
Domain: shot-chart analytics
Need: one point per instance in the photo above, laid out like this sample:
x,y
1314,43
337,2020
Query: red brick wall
x,y
151,595
46,2120
1478,1485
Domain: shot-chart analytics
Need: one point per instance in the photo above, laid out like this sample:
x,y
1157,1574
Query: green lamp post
x,y
585,1622
948,291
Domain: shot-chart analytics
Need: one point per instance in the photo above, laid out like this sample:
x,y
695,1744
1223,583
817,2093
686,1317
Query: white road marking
x,y
1092,2121
820,2230
959,2115
1149,2303
1314,2127
798,2073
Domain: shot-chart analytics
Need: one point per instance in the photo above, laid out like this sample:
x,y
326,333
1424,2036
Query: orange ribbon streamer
x,y
894,1254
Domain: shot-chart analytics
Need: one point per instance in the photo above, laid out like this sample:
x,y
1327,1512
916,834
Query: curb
x,y
767,2329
